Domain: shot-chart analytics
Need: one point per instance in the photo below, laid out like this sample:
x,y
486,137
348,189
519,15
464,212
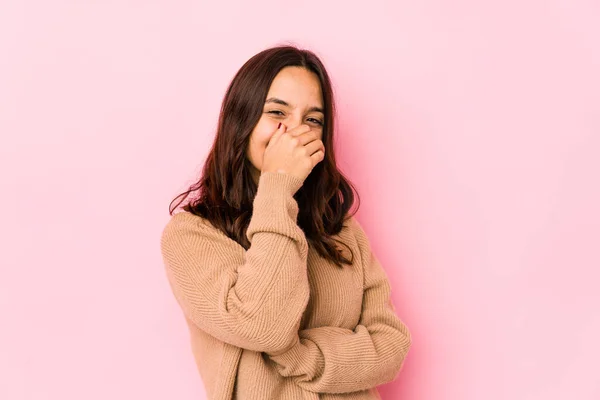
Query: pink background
x,y
472,131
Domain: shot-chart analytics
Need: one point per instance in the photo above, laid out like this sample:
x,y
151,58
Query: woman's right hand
x,y
295,152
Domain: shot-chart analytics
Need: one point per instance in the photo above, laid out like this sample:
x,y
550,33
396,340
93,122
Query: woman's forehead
x,y
294,85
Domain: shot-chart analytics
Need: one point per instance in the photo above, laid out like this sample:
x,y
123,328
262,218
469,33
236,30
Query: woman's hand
x,y
294,152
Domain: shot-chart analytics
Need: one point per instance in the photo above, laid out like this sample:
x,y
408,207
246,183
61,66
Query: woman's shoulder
x,y
185,225
358,233
349,232
351,224
185,219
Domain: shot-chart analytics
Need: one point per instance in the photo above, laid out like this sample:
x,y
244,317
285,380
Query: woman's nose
x,y
294,121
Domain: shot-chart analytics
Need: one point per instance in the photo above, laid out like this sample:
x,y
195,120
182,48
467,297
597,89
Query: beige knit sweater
x,y
278,321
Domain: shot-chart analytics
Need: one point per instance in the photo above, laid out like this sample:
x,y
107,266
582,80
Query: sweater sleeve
x,y
338,360
253,299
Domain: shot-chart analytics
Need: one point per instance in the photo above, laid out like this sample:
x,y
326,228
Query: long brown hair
x,y
226,188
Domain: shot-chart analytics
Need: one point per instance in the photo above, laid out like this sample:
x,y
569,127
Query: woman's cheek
x,y
267,131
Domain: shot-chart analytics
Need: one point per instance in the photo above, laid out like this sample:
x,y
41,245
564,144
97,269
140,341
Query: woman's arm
x,y
254,301
338,360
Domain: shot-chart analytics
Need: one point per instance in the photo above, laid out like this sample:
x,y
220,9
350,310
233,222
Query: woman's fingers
x,y
314,146
278,132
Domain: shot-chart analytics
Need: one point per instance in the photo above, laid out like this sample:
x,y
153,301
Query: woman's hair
x,y
226,188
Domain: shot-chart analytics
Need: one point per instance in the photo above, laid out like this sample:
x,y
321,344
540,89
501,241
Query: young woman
x,y
276,279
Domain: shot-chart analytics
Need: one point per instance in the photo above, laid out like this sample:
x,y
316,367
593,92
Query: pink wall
x,y
472,132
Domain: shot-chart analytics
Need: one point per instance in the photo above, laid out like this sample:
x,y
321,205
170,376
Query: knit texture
x,y
278,321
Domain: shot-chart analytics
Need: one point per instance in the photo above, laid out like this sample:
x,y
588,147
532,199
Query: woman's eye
x,y
280,113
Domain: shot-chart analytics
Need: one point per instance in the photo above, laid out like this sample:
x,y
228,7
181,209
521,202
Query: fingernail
x,y
279,126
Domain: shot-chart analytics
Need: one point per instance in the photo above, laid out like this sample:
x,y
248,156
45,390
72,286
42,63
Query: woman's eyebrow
x,y
283,103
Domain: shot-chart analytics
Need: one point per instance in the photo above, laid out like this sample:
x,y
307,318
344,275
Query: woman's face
x,y
294,98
